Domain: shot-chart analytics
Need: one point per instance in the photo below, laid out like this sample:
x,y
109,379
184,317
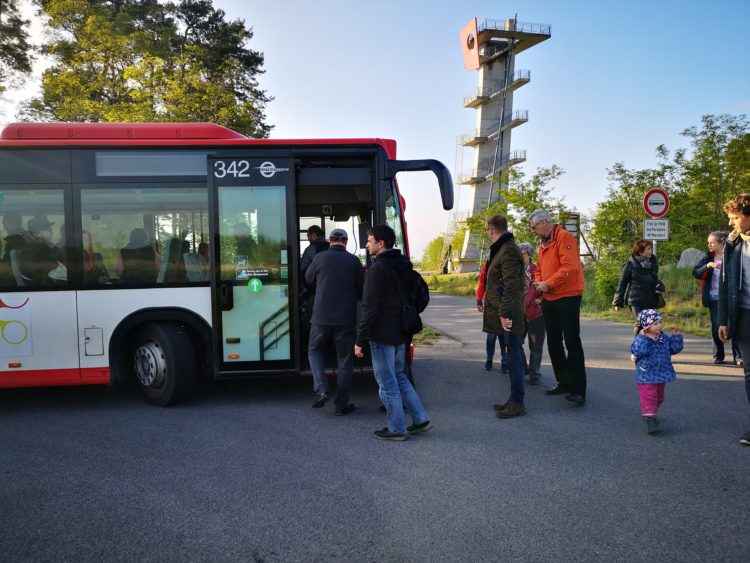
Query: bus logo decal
x,y
15,320
268,169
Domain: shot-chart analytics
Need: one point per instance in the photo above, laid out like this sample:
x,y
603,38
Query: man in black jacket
x,y
734,297
337,279
318,243
381,326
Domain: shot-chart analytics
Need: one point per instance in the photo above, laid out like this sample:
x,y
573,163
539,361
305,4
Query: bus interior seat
x,y
15,265
164,265
193,267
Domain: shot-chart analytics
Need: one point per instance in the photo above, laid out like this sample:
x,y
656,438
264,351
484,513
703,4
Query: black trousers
x,y
742,338
562,322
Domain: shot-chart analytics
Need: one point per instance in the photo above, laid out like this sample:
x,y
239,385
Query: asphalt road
x,y
252,473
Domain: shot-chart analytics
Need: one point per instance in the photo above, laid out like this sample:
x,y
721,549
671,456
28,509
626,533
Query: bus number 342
x,y
236,169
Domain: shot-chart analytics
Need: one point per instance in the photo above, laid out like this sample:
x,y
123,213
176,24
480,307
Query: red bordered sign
x,y
656,202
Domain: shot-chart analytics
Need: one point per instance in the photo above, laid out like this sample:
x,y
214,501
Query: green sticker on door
x,y
254,285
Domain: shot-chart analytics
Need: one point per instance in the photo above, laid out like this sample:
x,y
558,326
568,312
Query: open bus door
x,y
253,202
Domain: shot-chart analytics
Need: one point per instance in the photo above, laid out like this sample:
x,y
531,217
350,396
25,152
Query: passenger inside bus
x,y
97,273
203,261
175,261
138,262
16,237
14,241
39,257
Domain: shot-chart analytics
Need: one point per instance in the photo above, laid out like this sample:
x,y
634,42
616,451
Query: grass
x,y
463,285
683,300
427,337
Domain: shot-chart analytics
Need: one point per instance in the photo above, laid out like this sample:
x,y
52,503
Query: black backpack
x,y
420,293
410,307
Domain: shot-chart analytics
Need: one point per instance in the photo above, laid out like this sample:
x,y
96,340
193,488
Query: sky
x,y
614,81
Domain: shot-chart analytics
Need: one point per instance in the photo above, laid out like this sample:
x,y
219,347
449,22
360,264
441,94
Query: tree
x,y
433,254
738,164
15,50
521,198
713,172
139,60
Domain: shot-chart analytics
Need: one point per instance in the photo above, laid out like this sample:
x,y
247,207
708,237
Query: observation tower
x,y
490,47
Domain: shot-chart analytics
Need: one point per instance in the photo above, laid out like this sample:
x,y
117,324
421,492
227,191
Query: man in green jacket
x,y
503,307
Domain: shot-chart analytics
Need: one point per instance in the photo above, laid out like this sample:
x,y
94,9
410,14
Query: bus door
x,y
253,203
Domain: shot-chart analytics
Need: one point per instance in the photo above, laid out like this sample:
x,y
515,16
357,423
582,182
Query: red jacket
x,y
482,283
532,309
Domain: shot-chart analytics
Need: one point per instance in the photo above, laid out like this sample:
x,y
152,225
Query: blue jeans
x,y
491,338
515,363
394,388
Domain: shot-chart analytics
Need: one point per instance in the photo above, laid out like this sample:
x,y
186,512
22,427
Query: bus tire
x,y
164,363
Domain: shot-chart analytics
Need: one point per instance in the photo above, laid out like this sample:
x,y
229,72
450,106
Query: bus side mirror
x,y
393,167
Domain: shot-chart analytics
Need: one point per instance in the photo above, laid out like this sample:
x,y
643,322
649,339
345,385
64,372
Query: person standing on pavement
x,y
653,350
639,280
337,279
708,270
559,276
503,307
492,338
381,326
534,317
734,286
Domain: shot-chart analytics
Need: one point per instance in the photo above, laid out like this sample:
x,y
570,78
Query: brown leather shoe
x,y
498,407
511,411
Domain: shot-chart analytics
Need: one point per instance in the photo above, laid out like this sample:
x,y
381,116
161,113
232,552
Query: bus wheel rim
x,y
150,365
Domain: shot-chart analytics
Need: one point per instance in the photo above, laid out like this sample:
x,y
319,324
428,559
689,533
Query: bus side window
x,y
393,215
30,257
142,232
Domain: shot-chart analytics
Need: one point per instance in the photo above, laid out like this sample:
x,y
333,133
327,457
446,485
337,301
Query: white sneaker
x,y
633,358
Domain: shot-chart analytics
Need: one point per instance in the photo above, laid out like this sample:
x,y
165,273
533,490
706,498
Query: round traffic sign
x,y
656,202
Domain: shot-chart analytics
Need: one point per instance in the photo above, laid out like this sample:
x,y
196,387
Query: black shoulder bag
x,y
410,321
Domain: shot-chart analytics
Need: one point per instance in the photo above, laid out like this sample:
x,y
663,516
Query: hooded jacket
x,y
381,300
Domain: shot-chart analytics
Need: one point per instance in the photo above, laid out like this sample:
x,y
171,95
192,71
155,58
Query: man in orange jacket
x,y
559,276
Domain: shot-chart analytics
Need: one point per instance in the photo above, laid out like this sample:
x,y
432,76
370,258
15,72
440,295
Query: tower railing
x,y
484,171
492,89
513,25
492,129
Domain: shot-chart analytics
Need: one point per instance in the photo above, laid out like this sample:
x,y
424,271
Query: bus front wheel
x,y
164,364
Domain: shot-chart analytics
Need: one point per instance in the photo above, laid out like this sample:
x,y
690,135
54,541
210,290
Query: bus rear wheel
x,y
164,363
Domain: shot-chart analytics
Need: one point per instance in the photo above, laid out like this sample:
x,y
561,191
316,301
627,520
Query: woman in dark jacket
x,y
708,270
639,282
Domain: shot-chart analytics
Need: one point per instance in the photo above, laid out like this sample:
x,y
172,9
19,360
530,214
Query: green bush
x,y
683,306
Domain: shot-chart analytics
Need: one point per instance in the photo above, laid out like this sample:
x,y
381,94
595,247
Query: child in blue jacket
x,y
653,349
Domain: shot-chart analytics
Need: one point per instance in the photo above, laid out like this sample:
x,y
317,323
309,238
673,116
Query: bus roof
x,y
152,134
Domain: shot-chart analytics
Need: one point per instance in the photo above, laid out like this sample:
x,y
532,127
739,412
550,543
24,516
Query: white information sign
x,y
656,229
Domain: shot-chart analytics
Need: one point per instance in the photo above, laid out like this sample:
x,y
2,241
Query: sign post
x,y
656,204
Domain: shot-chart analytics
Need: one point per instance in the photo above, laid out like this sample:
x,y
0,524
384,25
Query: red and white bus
x,y
164,251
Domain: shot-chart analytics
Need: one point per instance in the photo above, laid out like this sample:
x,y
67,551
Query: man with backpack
x,y
388,313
